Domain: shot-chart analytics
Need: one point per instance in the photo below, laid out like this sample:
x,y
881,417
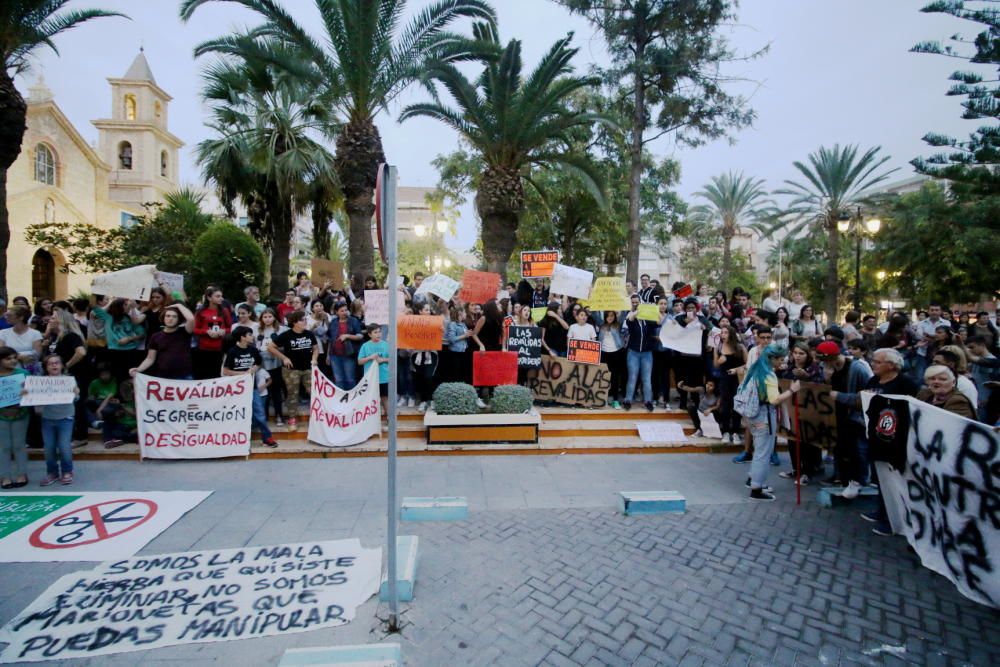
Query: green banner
x,y
16,512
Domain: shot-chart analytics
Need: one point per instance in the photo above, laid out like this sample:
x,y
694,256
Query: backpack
x,y
746,402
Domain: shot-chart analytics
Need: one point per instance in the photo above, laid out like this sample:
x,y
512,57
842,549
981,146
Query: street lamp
x,y
419,230
857,225
442,225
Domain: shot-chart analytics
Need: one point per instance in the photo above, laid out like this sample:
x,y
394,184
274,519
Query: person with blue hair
x,y
764,425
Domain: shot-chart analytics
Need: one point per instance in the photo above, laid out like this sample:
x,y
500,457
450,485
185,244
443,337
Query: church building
x,y
59,177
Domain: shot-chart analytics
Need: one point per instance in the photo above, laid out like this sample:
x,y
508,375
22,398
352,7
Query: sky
x,y
838,71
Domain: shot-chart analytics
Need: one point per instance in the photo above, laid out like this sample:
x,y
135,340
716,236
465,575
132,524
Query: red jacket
x,y
205,320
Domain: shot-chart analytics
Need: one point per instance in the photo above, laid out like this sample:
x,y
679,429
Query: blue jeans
x,y
639,362
343,370
259,415
58,437
404,378
764,429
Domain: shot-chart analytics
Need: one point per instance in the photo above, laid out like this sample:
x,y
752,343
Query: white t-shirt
x,y
968,388
583,331
23,343
608,343
794,310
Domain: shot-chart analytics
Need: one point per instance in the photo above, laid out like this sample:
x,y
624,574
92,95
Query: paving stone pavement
x,y
546,572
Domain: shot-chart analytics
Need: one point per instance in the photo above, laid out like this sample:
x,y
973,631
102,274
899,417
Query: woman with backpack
x,y
757,399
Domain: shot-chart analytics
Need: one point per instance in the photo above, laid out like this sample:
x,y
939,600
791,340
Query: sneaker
x,y
765,487
830,481
49,480
727,438
480,404
422,408
270,442
699,433
401,403
410,403
743,457
775,459
804,480
292,423
787,474
883,529
737,439
627,405
111,444
616,405
649,406
852,490
97,424
66,479
760,494
279,421
871,517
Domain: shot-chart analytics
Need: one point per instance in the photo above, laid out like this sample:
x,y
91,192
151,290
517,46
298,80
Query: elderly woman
x,y
941,392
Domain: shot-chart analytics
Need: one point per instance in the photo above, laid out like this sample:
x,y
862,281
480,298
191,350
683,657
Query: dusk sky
x,y
837,71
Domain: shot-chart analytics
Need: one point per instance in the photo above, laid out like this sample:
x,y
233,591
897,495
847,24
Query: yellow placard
x,y
608,293
537,314
648,311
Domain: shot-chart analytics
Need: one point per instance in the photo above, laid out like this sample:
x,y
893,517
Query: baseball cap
x,y
828,349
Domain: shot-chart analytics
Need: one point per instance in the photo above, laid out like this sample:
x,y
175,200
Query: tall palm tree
x,y
732,199
837,179
267,151
25,25
514,123
365,60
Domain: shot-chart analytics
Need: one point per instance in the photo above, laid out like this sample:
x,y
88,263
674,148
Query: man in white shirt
x,y
924,331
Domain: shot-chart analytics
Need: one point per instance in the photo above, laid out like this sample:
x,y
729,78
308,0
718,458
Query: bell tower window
x,y
45,165
130,107
125,155
164,164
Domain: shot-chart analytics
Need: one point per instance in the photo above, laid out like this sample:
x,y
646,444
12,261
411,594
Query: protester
x,y
24,340
953,357
245,317
613,353
985,329
13,429
639,360
729,356
42,313
252,299
344,337
847,378
555,331
64,338
984,371
243,358
57,429
805,458
376,351
690,367
169,350
806,326
941,392
581,329
298,350
270,328
212,322
455,347
287,306
706,404
924,331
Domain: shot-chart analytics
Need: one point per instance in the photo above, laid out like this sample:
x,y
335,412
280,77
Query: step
x,y
651,502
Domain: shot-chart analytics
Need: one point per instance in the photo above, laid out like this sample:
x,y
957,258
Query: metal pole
x,y
857,262
392,258
780,246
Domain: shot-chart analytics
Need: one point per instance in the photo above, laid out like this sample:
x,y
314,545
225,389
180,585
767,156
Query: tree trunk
x,y
498,241
832,282
280,249
359,152
635,168
727,259
499,202
13,112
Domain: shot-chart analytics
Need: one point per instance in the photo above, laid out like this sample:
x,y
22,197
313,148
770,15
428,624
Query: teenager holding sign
x,y
376,351
57,429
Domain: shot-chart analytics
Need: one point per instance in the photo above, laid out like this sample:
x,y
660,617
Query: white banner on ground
x,y
947,499
377,305
571,281
137,604
661,432
134,283
686,340
48,527
439,285
48,390
193,419
710,427
340,417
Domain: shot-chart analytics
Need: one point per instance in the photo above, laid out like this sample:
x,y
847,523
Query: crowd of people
x,y
947,358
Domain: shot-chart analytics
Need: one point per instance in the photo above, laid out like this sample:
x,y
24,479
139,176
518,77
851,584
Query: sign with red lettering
x,y
479,286
491,369
344,417
420,332
583,351
538,263
193,419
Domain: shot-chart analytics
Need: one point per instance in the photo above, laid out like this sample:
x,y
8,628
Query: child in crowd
x,y
100,389
13,425
376,351
708,403
118,412
57,428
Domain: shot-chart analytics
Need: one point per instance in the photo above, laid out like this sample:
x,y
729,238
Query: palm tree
x,y
732,198
514,124
266,151
25,25
836,180
364,61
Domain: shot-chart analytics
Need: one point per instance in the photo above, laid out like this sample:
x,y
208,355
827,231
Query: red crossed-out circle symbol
x,y
93,523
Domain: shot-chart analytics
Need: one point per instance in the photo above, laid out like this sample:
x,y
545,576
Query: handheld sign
x,y
49,390
648,311
537,314
571,281
479,286
684,292
686,340
583,351
527,343
492,369
420,332
538,263
377,305
439,285
324,270
608,293
133,283
10,389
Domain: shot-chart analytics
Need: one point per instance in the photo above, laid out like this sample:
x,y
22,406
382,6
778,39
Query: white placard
x,y
48,390
92,526
136,604
439,285
340,417
571,281
710,427
377,305
686,340
171,282
665,431
193,419
133,283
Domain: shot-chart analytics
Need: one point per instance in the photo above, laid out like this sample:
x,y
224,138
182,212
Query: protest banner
x,y
136,604
667,432
479,286
193,419
608,293
537,314
439,285
10,389
817,417
48,390
420,332
565,382
51,527
538,263
344,417
647,311
946,497
710,427
583,351
527,343
173,283
377,305
324,270
571,281
686,340
492,369
133,283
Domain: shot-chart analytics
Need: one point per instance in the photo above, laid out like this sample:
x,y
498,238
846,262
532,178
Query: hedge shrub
x,y
227,257
511,399
455,398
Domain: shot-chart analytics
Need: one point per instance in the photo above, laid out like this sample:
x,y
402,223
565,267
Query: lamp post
x,y
857,225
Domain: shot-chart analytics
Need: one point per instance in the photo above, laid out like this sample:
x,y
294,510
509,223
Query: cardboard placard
x,y
420,332
647,311
492,369
326,269
571,281
538,263
608,293
173,283
377,305
527,343
439,285
132,283
665,431
565,382
10,389
817,416
537,314
583,351
686,340
479,286
49,390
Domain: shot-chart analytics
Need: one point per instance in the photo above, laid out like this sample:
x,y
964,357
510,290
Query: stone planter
x,y
482,428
